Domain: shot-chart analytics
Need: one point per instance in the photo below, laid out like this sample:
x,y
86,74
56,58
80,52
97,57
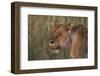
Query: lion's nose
x,y
52,41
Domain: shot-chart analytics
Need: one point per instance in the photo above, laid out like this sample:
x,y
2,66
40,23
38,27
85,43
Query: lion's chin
x,y
56,51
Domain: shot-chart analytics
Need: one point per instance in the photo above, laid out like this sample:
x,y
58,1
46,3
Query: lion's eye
x,y
56,36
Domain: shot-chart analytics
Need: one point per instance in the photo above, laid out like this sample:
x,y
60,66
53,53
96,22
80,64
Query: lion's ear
x,y
70,25
53,26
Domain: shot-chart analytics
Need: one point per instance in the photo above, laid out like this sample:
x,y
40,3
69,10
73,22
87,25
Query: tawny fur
x,y
76,44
